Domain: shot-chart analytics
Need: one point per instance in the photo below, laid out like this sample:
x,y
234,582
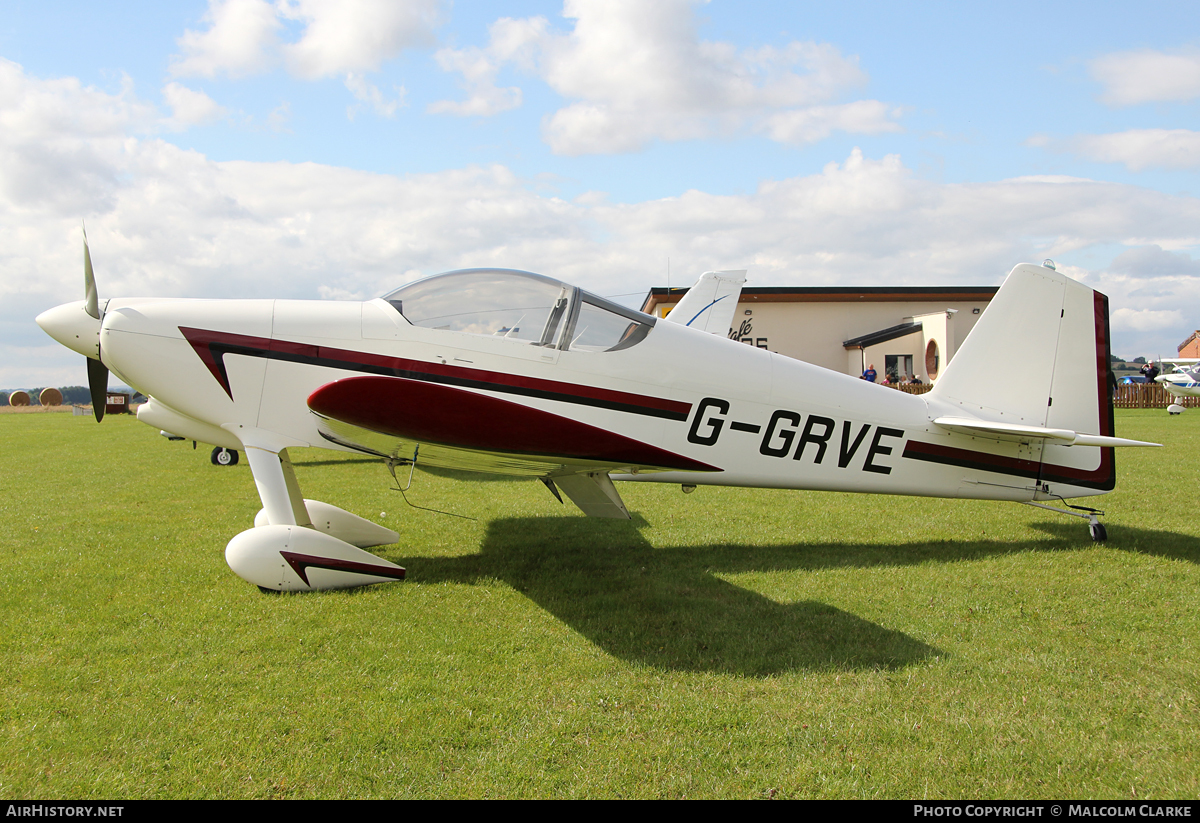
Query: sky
x,y
337,149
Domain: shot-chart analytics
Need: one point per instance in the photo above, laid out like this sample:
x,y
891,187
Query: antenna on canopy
x,y
668,295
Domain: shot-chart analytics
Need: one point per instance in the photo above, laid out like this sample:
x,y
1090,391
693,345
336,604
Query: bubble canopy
x,y
520,306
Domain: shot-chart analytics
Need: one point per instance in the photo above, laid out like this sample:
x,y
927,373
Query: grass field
x,y
727,643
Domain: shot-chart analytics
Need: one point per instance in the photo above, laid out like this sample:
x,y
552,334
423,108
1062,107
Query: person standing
x,y
870,374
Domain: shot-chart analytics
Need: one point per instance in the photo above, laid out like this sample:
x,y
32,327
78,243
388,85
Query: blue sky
x,y
314,149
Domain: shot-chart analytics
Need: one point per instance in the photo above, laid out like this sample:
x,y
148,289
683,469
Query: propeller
x,y
96,370
89,281
98,386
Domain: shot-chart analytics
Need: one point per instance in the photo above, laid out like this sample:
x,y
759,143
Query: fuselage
x,y
749,417
1181,383
510,372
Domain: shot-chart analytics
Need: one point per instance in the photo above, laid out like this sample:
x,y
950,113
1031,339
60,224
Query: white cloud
x,y
58,139
1140,149
1148,76
1136,149
279,117
190,107
30,366
355,35
336,38
637,72
240,40
1154,261
813,124
366,93
1144,319
165,221
1154,298
479,79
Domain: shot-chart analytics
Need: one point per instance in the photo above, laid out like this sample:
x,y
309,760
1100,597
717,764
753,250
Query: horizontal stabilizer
x,y
709,305
1010,431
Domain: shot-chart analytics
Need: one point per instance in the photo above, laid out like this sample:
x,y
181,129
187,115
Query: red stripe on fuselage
x,y
211,347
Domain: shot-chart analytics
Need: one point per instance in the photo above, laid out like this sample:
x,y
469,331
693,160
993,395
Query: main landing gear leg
x,y
291,553
1095,527
277,487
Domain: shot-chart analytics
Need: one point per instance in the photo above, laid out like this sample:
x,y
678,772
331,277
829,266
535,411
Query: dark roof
x,y
835,294
882,336
1191,337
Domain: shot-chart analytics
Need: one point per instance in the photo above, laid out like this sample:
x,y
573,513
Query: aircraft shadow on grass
x,y
1154,542
667,608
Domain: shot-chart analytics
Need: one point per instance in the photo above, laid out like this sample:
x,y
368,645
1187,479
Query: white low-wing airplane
x,y
1183,382
509,372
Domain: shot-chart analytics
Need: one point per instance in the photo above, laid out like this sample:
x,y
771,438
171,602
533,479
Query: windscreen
x,y
520,306
496,302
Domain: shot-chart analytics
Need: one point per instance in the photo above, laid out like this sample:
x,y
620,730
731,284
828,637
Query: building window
x,y
898,367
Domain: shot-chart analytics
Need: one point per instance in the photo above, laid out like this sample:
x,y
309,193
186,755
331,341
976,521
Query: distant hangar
x,y
902,330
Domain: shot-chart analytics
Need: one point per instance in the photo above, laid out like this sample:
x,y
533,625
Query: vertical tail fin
x,y
709,305
1039,356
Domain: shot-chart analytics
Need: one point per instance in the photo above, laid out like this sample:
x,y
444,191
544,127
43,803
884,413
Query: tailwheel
x,y
1095,527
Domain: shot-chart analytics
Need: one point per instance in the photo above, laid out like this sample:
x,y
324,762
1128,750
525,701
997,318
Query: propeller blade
x,y
97,371
98,384
89,281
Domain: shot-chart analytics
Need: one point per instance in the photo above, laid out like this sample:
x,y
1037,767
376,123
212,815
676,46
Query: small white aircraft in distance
x,y
503,371
1183,382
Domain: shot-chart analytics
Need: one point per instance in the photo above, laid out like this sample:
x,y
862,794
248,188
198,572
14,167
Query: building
x,y
902,330
1191,346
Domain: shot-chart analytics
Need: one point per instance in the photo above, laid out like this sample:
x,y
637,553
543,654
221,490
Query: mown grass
x,y
728,643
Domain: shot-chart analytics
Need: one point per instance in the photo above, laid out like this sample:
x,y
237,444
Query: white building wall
x,y
814,331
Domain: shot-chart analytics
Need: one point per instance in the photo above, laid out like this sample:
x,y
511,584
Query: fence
x,y
1149,396
1128,396
916,388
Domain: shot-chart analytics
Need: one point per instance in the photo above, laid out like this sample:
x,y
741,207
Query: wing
x,y
448,427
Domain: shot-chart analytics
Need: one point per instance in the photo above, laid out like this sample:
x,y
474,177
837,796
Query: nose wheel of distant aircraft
x,y
1096,530
224,457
